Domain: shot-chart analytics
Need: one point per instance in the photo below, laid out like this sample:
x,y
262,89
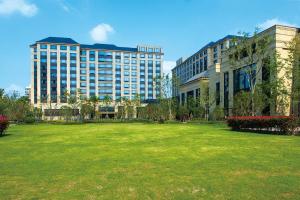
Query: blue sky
x,y
181,27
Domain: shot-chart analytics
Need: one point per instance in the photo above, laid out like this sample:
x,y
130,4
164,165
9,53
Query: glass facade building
x,y
61,65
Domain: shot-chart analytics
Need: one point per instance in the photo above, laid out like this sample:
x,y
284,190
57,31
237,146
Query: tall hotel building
x,y
61,65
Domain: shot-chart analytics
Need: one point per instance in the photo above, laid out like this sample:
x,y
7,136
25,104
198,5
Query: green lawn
x,y
147,161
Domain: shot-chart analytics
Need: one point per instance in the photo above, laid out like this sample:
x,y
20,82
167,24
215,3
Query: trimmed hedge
x,y
4,123
272,124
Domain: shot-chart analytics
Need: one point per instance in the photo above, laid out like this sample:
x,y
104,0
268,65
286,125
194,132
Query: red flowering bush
x,y
3,124
276,124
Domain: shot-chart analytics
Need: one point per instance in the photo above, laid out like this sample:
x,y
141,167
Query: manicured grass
x,y
147,161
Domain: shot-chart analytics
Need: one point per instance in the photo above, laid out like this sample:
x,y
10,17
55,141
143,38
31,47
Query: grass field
x,y
147,161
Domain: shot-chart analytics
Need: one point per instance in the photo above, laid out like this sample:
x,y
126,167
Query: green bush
x,y
29,119
273,124
218,114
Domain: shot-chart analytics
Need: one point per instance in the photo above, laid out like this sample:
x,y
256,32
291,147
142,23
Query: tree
x,y
183,113
66,112
136,102
87,110
38,114
18,108
290,69
94,101
122,108
3,102
204,103
2,93
294,54
73,100
107,101
128,107
218,113
165,85
251,57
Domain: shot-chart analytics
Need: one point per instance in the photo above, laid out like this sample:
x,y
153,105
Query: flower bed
x,y
273,124
4,123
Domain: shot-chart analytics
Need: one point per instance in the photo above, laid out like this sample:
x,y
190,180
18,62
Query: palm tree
x,y
94,100
107,101
122,107
136,102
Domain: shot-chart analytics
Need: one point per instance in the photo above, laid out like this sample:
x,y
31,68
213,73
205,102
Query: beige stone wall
x,y
214,78
193,86
281,35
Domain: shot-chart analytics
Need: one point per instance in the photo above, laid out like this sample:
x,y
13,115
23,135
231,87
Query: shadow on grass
x,y
267,132
4,135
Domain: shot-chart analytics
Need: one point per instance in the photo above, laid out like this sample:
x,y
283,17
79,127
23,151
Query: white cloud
x,y
100,32
8,7
15,88
168,66
271,22
64,5
65,8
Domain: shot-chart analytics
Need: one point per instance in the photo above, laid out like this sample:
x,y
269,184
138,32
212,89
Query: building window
x,y
226,92
63,47
72,55
205,63
215,49
43,46
133,67
242,78
73,48
182,98
218,93
82,65
53,47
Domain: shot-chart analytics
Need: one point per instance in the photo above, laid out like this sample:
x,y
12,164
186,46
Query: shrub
x,y
3,124
217,114
29,119
281,124
182,113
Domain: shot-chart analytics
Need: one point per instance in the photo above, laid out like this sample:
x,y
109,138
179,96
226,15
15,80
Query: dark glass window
x,y
226,92
218,93
73,48
63,47
43,46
